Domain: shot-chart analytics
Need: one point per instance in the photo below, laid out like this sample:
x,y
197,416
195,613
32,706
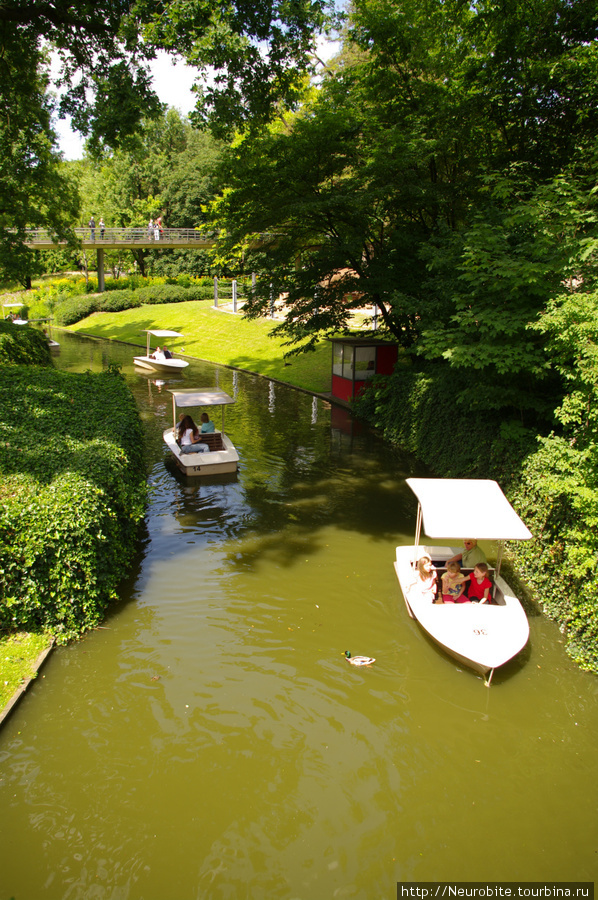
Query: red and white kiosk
x,y
356,360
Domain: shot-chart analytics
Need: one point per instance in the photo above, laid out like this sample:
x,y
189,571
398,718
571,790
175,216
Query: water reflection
x,y
210,741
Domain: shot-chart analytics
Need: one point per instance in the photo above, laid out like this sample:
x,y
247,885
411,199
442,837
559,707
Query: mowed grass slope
x,y
218,337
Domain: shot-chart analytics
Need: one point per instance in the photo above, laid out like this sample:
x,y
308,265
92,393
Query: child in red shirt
x,y
479,584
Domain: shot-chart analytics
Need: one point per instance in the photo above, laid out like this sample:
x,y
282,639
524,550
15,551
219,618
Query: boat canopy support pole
x,y
418,528
499,553
173,415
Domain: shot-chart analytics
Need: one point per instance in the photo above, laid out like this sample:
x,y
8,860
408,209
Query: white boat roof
x,y
467,508
201,397
161,332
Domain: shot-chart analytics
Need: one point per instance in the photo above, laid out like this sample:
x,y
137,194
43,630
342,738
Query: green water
x,y
212,742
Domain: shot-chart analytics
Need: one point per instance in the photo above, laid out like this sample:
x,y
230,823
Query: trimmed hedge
x,y
73,490
20,345
419,411
73,309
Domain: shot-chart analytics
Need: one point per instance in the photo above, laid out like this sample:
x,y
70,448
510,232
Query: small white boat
x,y
221,456
158,362
54,346
483,636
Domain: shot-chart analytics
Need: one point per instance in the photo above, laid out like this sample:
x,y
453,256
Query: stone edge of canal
x,y
20,691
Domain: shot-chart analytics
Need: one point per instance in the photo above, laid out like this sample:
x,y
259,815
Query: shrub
x,y
21,345
72,483
74,309
557,497
118,300
419,410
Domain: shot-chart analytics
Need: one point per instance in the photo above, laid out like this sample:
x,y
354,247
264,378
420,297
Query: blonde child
x,y
426,579
479,584
453,584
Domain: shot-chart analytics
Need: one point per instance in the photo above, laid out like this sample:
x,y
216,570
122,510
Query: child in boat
x,y
479,584
453,584
426,579
189,437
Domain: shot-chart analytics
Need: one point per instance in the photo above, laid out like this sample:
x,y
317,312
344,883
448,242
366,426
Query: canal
x,y
210,740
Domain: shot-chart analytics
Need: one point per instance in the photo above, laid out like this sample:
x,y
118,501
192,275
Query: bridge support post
x,y
101,282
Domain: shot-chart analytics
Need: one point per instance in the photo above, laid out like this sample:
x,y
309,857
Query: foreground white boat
x,y
161,364
481,636
222,456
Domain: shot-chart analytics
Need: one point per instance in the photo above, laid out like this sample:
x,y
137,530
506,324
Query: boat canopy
x,y
160,332
467,508
200,397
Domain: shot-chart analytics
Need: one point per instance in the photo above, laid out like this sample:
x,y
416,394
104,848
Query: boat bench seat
x,y
213,440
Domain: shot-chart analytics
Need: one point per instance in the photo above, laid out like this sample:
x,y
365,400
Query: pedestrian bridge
x,y
131,238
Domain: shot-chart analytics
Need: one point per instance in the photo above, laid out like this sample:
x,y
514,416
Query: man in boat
x,y
471,555
166,352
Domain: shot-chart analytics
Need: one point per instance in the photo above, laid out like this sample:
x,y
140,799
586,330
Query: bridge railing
x,y
130,235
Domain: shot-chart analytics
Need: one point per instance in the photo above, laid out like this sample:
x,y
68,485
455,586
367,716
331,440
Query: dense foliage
x,y
72,483
444,171
20,345
259,51
69,300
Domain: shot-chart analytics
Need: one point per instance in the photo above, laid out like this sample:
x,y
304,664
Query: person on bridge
x,y
92,227
150,229
102,229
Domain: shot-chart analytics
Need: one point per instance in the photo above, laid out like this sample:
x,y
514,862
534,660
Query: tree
x,y
259,50
433,175
166,170
36,190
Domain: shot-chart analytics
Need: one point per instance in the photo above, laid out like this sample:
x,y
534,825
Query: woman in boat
x,y
207,426
188,436
426,579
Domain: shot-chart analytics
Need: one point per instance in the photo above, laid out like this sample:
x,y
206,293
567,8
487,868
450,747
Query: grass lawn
x,y
18,653
219,337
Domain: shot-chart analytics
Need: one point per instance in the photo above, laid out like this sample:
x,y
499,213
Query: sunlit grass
x,y
219,337
18,654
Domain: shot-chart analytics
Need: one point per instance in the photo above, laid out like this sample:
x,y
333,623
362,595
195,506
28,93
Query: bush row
x,y
73,309
553,486
73,487
21,345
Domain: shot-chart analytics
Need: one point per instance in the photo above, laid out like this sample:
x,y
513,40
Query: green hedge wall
x,y
20,345
419,410
73,488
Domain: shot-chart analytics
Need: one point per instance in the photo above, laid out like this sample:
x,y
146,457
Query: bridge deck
x,y
124,239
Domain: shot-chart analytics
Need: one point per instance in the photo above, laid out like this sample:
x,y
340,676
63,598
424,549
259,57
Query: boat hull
x,y
481,636
160,365
214,462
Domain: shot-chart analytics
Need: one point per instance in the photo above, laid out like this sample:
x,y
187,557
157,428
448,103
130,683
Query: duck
x,y
359,660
